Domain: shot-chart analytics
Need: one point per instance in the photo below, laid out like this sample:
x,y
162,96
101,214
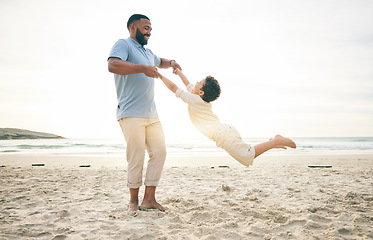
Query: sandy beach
x,y
279,197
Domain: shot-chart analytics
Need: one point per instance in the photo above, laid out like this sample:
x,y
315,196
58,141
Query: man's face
x,y
143,31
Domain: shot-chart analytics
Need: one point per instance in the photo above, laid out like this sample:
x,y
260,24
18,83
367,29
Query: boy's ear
x,y
201,93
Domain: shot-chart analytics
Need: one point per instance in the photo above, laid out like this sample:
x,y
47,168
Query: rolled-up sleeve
x,y
157,61
186,96
190,87
119,50
178,92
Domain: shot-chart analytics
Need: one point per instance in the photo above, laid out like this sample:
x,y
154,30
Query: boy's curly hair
x,y
211,89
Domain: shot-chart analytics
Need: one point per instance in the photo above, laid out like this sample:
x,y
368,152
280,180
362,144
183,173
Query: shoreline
x,y
176,160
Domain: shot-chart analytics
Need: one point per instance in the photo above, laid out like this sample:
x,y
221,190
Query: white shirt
x,y
225,136
200,112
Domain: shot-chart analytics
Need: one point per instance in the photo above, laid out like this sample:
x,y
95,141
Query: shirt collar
x,y
135,43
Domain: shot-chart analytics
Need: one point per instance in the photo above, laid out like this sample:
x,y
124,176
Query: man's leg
x,y
156,147
277,142
134,133
149,201
134,200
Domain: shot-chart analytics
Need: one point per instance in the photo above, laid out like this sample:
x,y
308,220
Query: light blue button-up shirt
x,y
135,92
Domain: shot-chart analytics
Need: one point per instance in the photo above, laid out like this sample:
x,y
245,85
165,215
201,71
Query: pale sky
x,y
298,68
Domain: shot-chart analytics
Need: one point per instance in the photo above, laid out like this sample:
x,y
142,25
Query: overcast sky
x,y
298,68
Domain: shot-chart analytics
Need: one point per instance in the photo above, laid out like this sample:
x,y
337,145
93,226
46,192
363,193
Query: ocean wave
x,y
187,146
27,146
9,151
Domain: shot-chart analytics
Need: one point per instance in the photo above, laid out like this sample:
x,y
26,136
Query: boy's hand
x,y
182,76
176,71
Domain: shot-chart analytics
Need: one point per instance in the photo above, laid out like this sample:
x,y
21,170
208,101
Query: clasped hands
x,y
152,71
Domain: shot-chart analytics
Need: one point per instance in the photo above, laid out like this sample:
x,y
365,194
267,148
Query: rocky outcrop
x,y
14,133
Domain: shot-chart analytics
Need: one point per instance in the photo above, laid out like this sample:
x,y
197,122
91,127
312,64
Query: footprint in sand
x,y
294,224
344,231
280,219
59,237
319,219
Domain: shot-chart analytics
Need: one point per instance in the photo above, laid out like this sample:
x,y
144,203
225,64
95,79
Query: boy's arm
x,y
182,76
172,86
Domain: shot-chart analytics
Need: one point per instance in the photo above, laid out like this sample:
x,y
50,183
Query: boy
x,y
227,137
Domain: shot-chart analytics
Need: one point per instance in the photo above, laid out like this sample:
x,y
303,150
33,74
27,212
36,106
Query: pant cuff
x,y
134,185
151,183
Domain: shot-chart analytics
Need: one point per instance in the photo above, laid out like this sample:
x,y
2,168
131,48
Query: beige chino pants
x,y
141,134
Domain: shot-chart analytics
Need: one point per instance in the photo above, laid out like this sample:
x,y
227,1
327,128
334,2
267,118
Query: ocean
x,y
185,146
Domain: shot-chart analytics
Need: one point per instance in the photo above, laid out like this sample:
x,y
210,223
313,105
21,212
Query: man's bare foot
x,y
133,207
283,142
147,205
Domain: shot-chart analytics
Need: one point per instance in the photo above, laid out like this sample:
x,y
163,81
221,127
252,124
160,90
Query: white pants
x,y
141,134
228,138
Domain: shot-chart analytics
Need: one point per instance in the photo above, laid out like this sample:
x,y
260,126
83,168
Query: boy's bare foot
x,y
145,205
283,142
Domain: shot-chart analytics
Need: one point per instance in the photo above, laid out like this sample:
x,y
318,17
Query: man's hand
x,y
151,71
175,65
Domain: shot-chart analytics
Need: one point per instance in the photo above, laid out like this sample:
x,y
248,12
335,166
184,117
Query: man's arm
x,y
165,63
182,76
120,67
172,86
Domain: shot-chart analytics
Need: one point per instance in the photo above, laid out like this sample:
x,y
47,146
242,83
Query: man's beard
x,y
141,38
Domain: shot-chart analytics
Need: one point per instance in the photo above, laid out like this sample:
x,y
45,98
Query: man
x,y
135,68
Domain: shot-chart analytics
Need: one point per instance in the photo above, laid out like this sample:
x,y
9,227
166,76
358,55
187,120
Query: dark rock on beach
x,y
14,133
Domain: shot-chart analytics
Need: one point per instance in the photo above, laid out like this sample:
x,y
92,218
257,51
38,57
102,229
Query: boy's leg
x,y
155,143
277,142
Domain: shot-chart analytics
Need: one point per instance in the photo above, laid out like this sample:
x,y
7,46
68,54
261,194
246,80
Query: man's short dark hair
x,y
135,17
211,89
